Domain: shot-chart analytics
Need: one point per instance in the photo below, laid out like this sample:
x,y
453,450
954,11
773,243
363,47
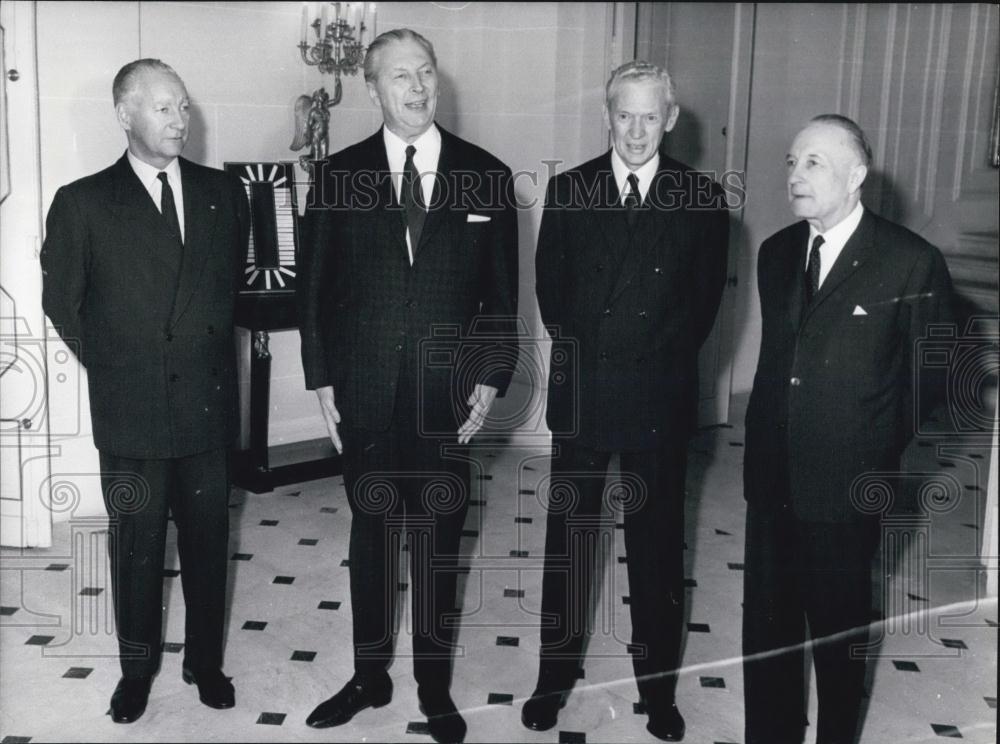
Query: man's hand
x,y
331,415
480,400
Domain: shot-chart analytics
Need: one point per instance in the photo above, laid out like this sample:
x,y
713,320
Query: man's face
x,y
637,118
155,117
824,175
406,88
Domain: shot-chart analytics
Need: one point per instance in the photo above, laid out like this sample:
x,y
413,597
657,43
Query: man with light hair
x,y
845,297
630,267
141,266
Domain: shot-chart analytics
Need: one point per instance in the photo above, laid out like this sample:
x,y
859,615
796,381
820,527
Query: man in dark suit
x,y
630,268
413,235
845,296
141,263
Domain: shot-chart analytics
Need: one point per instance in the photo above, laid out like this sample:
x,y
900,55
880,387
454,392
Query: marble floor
x,y
289,627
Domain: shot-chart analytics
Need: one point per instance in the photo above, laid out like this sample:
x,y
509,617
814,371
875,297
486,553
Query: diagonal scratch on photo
x,y
499,372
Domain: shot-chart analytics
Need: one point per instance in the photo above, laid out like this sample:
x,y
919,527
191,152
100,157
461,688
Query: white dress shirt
x,y
148,174
425,159
834,241
644,174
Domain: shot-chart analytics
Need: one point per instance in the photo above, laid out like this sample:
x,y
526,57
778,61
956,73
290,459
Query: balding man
x,y
845,296
141,263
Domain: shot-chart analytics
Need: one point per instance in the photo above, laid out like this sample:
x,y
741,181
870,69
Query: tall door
x,y
707,48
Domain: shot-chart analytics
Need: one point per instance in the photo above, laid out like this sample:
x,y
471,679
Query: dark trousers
x,y
137,495
652,501
798,573
402,489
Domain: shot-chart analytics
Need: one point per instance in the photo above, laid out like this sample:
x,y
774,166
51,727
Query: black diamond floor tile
x,y
712,682
499,698
57,567
308,541
15,740
303,655
417,727
241,556
508,640
268,522
39,640
328,605
271,719
723,532
328,510
77,673
953,643
8,611
283,580
991,702
254,625
523,520
513,592
345,563
572,737
946,730
526,492
735,566
172,648
519,554
905,666
91,591
699,628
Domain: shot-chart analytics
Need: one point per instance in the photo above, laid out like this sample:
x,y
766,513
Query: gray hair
x,y
857,135
384,39
638,70
125,80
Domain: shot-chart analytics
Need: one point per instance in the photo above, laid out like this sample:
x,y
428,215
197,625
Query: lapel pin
x,y
855,263
211,206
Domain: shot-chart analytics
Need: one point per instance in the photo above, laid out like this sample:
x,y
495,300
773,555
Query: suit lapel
x,y
854,255
133,208
794,274
440,206
201,206
649,227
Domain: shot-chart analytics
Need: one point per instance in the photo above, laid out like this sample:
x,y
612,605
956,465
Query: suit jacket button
x,y
408,303
643,314
657,270
399,347
795,382
607,312
169,337
602,356
174,377
211,330
599,268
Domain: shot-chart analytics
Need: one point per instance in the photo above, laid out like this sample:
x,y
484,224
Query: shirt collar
x,y
148,173
428,145
644,174
838,235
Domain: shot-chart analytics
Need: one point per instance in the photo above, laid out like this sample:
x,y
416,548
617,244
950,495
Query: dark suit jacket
x,y
365,311
629,315
833,396
154,324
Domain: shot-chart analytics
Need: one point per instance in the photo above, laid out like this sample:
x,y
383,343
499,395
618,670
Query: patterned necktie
x,y
812,271
167,207
632,201
413,200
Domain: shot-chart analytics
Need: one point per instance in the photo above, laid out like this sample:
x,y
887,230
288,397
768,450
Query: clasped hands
x,y
480,402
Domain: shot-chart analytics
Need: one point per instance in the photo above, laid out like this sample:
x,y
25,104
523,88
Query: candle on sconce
x,y
337,5
374,21
325,20
305,23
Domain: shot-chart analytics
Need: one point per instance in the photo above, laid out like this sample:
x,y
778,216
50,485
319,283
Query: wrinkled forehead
x,y
825,139
157,84
405,54
638,94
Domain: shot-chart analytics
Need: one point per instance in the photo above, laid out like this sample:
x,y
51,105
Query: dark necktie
x,y
168,209
812,271
412,199
632,201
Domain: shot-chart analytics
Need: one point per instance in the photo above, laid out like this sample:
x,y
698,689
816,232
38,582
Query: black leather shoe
x,y
540,712
444,723
359,693
129,699
214,688
665,723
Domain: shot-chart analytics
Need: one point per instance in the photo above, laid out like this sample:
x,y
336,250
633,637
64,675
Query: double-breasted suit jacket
x,y
630,309
153,322
833,397
366,311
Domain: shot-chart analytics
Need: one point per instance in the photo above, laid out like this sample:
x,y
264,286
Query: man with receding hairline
x,y
845,296
141,264
630,267
413,241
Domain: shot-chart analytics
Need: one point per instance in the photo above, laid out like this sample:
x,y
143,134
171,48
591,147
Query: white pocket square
x,y
858,310
477,218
